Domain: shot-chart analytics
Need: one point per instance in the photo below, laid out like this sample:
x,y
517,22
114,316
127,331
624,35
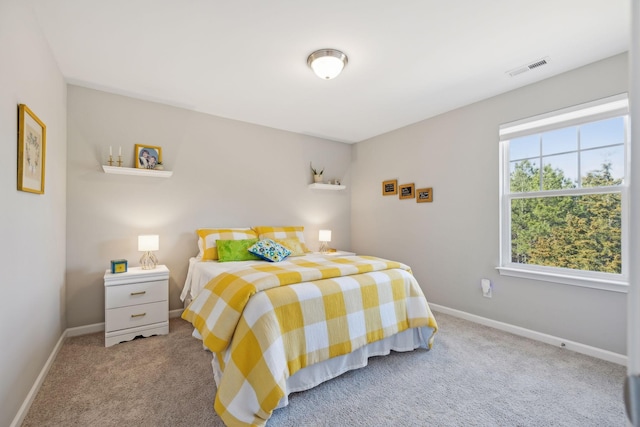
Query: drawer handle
x,y
139,293
138,315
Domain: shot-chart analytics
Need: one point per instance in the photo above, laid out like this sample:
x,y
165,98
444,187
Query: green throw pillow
x,y
235,250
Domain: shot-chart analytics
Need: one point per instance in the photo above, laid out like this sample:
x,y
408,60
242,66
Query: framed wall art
x,y
424,195
407,191
389,187
148,156
32,138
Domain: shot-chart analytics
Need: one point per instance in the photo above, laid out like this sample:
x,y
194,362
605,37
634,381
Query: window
x,y
564,190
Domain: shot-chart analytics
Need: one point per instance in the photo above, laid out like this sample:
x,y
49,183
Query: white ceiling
x,y
246,59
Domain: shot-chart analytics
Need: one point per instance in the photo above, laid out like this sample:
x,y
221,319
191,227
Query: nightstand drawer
x,y
136,315
136,293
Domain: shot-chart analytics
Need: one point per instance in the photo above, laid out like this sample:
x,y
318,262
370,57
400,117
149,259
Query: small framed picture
x,y
118,266
407,191
389,187
424,195
148,156
32,138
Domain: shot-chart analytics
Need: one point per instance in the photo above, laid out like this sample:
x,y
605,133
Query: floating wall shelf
x,y
136,171
318,186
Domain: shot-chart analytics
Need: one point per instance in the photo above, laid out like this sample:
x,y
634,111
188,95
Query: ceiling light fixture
x,y
327,63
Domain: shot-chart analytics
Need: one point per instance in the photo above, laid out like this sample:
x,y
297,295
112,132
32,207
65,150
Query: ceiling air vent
x,y
536,64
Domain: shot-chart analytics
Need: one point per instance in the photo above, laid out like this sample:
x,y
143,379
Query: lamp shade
x,y
327,63
324,235
148,242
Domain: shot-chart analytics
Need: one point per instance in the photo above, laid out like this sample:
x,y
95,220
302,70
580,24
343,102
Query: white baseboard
x,y
98,327
84,330
24,409
598,353
69,332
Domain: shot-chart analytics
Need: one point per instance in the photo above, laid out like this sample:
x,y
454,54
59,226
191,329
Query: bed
x,y
275,328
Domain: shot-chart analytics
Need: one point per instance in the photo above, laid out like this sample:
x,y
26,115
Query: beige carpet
x,y
474,376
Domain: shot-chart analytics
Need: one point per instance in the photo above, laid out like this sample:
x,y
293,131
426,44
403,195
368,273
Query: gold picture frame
x,y
32,140
424,195
407,191
148,156
389,187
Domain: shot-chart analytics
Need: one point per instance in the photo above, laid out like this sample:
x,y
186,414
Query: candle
x,y
110,153
120,151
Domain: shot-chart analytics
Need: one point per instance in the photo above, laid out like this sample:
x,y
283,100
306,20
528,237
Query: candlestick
x,y
110,160
119,161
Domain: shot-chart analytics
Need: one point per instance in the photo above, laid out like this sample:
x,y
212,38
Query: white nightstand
x,y
338,253
136,304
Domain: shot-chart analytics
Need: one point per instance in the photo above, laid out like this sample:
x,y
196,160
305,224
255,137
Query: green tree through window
x,y
577,232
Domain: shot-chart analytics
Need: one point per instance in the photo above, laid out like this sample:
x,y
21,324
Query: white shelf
x,y
136,171
318,186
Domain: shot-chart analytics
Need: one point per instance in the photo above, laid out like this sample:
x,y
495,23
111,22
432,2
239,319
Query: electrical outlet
x,y
486,288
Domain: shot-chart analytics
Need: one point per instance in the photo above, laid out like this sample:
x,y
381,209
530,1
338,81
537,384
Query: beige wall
x,y
453,242
225,174
32,236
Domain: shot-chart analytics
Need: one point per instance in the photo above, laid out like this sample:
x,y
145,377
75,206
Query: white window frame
x,y
601,109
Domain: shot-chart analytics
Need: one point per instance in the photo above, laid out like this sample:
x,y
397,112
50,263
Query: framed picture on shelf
x,y
407,191
32,138
424,195
148,156
389,187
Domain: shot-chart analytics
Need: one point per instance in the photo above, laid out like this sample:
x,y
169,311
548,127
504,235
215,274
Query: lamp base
x,y
324,248
148,261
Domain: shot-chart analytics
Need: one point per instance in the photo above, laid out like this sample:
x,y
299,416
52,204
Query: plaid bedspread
x,y
264,331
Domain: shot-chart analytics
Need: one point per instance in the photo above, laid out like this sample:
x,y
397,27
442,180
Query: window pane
x,y
560,141
524,176
602,167
604,132
560,171
576,232
524,147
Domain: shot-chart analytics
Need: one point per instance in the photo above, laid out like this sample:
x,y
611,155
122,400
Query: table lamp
x,y
147,244
324,236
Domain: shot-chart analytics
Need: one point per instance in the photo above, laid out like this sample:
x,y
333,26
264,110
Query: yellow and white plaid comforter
x,y
263,331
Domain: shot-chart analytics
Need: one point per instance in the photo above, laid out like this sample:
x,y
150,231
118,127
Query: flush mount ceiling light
x,y
327,63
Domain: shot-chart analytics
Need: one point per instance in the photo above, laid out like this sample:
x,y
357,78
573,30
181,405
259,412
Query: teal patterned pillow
x,y
235,250
269,250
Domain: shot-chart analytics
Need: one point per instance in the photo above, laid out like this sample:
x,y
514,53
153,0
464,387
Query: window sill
x,y
566,279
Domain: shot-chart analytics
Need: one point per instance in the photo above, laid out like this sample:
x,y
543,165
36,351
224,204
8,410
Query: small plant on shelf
x,y
317,176
315,171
